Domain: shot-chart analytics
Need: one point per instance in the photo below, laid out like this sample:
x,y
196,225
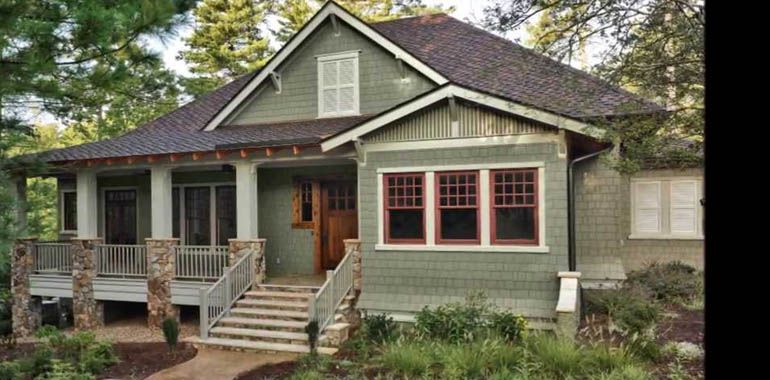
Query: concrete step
x,y
265,335
272,324
273,304
289,288
267,294
282,314
251,345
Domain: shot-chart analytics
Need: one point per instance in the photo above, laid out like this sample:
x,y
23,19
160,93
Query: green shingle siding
x,y
405,281
603,223
380,83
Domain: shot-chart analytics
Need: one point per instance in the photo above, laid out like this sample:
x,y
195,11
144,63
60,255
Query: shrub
x,y
61,370
637,316
453,322
628,372
10,370
307,374
669,282
507,325
81,350
602,358
478,359
312,331
555,357
379,328
407,358
171,332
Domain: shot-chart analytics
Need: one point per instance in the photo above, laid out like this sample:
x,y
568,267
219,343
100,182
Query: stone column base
x,y
239,248
23,317
87,312
161,254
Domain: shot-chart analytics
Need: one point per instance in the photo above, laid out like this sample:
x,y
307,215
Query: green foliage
x,y
671,282
631,308
62,370
312,331
407,358
465,322
171,332
10,370
379,328
307,374
478,359
562,358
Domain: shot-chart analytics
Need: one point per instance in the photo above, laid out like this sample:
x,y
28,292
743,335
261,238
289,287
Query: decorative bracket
x,y
360,151
453,116
401,67
276,79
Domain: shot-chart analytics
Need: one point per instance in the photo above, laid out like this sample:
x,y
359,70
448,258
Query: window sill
x,y
461,248
664,237
69,232
332,116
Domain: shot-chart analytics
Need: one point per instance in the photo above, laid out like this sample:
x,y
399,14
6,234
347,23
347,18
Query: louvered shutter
x,y
329,82
684,211
647,207
347,81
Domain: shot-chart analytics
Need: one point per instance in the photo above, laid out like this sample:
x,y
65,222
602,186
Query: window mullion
x,y
484,203
430,208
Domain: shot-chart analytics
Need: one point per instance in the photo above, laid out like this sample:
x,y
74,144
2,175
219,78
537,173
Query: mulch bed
x,y
137,360
271,371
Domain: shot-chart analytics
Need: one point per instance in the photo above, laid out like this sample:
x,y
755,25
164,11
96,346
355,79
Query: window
x,y
226,220
338,85
457,211
197,215
514,206
120,216
175,215
342,197
404,208
666,208
69,209
306,201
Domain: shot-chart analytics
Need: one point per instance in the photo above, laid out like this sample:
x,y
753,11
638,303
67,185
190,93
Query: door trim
x,y
323,217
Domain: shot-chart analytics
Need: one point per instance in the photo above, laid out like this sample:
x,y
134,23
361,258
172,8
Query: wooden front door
x,y
120,216
339,220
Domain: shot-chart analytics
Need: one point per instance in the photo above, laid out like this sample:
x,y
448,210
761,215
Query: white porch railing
x,y
216,300
200,262
326,301
121,260
53,258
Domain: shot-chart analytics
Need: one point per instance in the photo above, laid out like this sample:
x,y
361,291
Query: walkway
x,y
212,364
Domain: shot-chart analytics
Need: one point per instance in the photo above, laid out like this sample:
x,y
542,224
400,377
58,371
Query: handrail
x,y
217,300
121,260
326,301
50,257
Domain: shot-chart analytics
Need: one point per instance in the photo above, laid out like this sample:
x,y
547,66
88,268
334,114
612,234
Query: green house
x,y
366,167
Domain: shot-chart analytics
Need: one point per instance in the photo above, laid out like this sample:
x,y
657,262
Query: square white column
x,y
246,200
161,195
87,201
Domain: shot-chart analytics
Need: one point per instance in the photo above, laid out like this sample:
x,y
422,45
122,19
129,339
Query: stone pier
x,y
25,317
239,248
161,254
88,313
353,246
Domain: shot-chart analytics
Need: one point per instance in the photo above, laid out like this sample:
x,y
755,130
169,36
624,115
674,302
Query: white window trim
x,y
62,230
349,55
484,204
665,205
212,209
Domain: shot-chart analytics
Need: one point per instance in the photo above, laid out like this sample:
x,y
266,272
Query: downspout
x,y
571,201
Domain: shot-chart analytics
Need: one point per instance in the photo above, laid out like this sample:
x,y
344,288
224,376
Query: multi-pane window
x,y
306,201
457,211
338,85
404,208
197,207
226,219
514,206
69,211
342,198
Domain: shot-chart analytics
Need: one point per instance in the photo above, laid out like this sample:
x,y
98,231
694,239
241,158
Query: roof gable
x,y
337,14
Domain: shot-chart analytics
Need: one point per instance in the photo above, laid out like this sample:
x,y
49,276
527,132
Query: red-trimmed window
x,y
404,208
514,206
457,207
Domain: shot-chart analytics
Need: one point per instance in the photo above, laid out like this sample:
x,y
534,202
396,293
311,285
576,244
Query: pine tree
x,y
229,40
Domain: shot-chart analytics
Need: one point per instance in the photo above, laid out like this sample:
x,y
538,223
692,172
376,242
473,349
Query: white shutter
x,y
647,207
684,210
338,85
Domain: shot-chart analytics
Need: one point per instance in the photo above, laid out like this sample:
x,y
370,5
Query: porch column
x,y
246,200
87,204
87,312
161,195
161,257
25,317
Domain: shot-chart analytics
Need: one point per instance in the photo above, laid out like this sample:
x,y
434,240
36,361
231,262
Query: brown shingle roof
x,y
466,55
474,58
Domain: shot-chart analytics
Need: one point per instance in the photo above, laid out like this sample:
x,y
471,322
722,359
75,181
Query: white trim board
x,y
452,90
464,142
330,8
446,168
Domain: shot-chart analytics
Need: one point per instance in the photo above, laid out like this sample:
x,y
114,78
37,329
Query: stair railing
x,y
217,300
325,302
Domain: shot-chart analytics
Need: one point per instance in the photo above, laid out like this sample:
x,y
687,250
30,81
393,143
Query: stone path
x,y
212,364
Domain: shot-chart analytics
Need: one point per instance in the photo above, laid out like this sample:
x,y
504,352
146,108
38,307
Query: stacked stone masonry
x,y
25,317
88,313
160,272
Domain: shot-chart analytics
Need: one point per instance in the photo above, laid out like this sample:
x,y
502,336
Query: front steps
x,y
272,319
